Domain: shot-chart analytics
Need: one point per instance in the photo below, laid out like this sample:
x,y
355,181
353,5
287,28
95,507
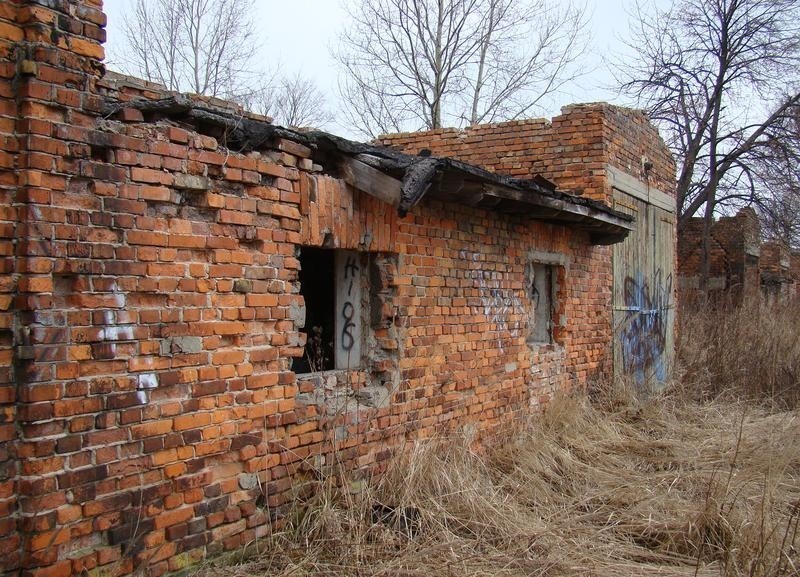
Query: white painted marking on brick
x,y
119,297
124,333
497,304
148,381
114,332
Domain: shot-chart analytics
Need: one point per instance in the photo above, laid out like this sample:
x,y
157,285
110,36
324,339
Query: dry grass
x,y
612,487
698,481
751,351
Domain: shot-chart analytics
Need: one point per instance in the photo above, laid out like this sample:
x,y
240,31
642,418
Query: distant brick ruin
x,y
741,265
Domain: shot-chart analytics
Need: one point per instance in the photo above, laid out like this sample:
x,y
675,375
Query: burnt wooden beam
x,y
417,180
488,201
393,167
177,104
586,209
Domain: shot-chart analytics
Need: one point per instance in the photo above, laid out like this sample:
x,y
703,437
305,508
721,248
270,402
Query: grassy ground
x,y
691,482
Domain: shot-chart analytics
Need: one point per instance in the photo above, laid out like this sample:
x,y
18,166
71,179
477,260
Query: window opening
x,y
331,285
316,286
541,288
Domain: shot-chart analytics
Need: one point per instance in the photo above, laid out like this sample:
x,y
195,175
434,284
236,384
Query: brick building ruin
x,y
615,156
741,265
200,308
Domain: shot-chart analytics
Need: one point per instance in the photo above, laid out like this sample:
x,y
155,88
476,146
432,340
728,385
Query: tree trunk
x,y
705,269
476,96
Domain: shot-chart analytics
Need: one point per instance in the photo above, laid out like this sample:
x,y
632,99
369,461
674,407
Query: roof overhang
x,y
453,181
399,179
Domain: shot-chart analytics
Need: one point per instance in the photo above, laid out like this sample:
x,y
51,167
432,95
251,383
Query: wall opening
x,y
332,285
542,294
317,287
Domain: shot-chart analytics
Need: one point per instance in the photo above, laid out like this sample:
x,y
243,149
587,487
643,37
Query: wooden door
x,y
643,301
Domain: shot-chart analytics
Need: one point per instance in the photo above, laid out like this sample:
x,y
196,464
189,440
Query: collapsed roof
x,y
399,179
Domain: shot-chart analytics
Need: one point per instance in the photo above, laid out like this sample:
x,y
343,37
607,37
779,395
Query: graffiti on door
x,y
643,332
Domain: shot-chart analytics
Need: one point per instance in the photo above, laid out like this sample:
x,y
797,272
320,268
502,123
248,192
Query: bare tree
x,y
526,51
293,101
201,46
779,213
421,63
721,78
778,172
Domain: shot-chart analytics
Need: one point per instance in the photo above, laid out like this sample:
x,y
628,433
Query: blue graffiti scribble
x,y
644,331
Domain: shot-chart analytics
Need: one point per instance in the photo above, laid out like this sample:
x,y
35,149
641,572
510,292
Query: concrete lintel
x,y
546,257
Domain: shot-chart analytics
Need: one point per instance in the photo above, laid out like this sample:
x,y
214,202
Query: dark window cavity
x,y
332,285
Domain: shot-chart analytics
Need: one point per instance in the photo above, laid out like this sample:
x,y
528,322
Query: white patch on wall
x,y
113,331
148,381
498,305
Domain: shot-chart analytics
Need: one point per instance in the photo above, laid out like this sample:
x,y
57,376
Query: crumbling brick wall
x,y
151,313
778,268
9,536
733,255
160,415
573,149
740,264
610,154
41,58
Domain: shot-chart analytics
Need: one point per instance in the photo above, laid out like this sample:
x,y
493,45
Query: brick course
x,y
10,33
149,312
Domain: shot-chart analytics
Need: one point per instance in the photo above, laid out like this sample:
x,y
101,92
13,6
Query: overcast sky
x,y
298,34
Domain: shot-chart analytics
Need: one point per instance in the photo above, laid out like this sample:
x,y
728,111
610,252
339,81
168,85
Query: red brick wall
x,y
155,476
733,257
10,32
48,58
577,151
572,150
122,475
150,414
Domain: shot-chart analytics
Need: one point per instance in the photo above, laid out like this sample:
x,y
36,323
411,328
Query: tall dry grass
x,y
697,481
750,351
612,487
